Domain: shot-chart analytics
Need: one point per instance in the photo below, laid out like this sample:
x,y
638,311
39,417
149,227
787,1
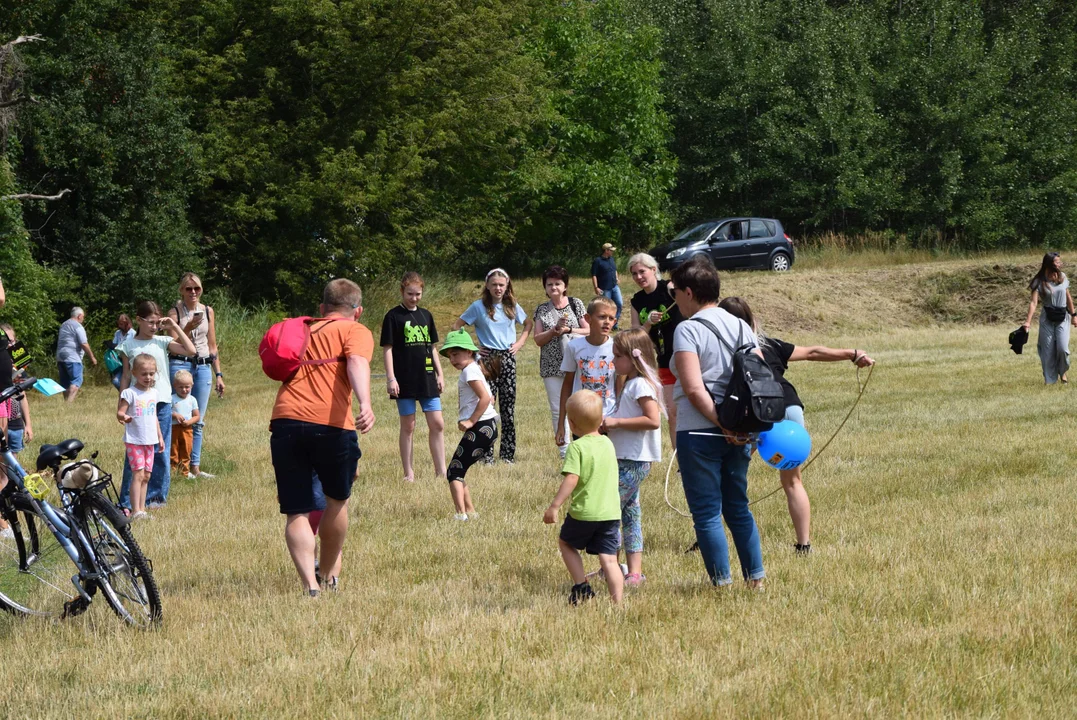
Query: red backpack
x,y
284,345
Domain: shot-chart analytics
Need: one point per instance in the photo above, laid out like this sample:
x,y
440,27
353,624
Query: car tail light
x,y
788,238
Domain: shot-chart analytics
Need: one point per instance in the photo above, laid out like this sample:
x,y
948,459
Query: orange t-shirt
x,y
322,394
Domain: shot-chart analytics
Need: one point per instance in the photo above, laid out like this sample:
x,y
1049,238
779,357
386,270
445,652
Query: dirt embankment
x,y
834,300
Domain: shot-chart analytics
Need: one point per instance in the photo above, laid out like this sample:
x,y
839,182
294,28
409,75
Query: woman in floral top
x,y
556,321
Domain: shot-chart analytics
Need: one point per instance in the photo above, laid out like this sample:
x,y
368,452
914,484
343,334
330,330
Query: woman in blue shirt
x,y
495,317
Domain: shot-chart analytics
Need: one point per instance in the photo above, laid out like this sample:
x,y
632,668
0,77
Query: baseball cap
x,y
607,246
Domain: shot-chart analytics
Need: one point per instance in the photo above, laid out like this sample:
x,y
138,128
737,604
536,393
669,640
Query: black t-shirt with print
x,y
776,353
412,334
644,303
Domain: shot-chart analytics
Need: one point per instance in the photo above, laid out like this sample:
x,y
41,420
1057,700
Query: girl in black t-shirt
x,y
413,372
778,354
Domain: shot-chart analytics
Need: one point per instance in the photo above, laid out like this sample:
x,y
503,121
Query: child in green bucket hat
x,y
476,419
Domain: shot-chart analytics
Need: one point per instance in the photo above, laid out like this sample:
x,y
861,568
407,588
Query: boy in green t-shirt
x,y
594,515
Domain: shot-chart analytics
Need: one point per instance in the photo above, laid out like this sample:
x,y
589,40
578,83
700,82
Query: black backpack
x,y
754,399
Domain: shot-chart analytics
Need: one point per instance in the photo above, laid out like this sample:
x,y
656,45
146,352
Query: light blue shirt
x,y
498,333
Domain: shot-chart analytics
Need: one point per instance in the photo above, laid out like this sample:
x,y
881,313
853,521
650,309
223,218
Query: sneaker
x,y
460,516
155,505
802,549
580,593
203,475
7,533
488,461
624,571
140,515
473,515
508,461
312,593
634,580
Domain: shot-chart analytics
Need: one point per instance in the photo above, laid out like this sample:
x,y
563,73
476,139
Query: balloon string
x,y
834,435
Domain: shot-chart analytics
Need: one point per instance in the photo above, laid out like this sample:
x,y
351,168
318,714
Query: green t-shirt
x,y
596,496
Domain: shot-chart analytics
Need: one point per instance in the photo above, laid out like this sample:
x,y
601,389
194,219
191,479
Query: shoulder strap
x,y
572,303
710,326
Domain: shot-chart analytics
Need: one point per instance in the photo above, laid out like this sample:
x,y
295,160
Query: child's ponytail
x,y
490,366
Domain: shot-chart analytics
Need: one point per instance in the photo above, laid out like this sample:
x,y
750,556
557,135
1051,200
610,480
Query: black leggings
x,y
473,446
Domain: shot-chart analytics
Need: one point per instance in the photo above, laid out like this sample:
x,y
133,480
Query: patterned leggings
x,y
504,389
473,446
630,475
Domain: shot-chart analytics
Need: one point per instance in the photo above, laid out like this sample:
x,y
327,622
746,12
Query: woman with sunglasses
x,y
1052,287
199,323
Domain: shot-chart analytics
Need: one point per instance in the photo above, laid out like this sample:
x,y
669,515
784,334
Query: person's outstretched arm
x,y
821,353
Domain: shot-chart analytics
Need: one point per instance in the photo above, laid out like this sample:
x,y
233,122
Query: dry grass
x,y
942,581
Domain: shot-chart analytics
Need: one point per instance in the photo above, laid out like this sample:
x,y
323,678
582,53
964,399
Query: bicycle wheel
x,y
128,582
35,572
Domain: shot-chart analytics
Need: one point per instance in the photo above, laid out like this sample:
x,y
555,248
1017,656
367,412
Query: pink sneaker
x,y
634,580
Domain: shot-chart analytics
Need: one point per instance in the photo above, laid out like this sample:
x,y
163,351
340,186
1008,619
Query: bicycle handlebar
x,y
19,387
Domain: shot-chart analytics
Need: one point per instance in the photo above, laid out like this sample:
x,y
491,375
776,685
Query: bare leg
x,y
300,541
407,428
70,393
574,562
436,425
468,507
671,410
635,562
799,506
460,496
332,530
614,579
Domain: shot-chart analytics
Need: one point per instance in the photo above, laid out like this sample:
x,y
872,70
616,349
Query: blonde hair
x,y
182,376
646,261
141,359
187,276
601,301
636,345
584,410
508,300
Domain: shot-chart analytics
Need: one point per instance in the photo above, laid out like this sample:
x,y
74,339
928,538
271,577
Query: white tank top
x,y
200,335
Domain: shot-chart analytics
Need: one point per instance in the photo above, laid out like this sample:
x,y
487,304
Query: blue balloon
x,y
785,446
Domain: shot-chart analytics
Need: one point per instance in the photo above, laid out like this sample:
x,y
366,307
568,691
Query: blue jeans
x,y
614,294
715,478
161,476
116,378
203,385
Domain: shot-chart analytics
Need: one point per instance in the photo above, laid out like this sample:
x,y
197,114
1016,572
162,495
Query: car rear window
x,y
760,229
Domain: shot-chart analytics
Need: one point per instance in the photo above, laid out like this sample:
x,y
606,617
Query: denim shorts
x,y
70,374
15,440
598,537
796,414
406,406
301,449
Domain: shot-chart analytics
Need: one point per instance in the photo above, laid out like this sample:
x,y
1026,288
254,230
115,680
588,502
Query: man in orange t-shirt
x,y
313,431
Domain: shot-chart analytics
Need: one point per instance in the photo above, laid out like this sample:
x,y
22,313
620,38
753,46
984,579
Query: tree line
x,y
272,144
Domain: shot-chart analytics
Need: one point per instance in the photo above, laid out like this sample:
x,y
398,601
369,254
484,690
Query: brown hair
x,y
508,301
700,276
411,278
637,345
738,307
147,308
342,294
1048,274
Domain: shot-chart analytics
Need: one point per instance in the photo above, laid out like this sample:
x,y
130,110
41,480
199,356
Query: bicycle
x,y
87,529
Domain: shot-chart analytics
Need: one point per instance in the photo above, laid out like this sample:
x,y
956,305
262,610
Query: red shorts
x,y
140,456
666,376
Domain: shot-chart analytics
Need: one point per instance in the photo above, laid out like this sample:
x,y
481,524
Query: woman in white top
x,y
199,322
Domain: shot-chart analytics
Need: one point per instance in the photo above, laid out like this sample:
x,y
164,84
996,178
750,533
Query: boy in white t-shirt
x,y
137,412
588,360
184,416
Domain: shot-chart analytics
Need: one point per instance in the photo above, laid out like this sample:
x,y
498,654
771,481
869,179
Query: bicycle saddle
x,y
50,455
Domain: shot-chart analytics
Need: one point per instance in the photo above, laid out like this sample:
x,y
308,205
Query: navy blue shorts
x,y
597,537
301,449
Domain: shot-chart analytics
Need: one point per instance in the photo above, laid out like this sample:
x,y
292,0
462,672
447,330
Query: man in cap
x,y
604,277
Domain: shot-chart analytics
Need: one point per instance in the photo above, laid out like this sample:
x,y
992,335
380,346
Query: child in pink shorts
x,y
137,411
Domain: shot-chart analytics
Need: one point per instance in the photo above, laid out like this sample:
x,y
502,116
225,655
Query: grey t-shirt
x,y
715,361
69,345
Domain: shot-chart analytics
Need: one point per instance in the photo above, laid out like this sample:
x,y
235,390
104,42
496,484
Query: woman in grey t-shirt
x,y
1052,287
714,471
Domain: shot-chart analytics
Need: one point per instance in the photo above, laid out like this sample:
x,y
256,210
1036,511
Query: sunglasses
x,y
193,289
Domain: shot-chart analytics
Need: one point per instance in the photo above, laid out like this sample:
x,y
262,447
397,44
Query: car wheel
x,y
780,262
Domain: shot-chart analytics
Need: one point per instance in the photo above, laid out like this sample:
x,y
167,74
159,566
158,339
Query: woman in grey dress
x,y
1052,287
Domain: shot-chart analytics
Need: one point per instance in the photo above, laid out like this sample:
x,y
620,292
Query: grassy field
x,y
942,581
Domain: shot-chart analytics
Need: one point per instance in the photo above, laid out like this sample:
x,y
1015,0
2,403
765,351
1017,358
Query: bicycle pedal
x,y
74,607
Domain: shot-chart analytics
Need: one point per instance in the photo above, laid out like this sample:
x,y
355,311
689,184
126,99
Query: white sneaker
x,y
7,533
205,475
460,516
154,505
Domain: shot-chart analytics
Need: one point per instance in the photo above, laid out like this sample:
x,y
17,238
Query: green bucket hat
x,y
458,339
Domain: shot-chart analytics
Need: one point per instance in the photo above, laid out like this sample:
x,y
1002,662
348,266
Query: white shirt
x,y
157,348
593,365
142,407
640,445
469,400
119,336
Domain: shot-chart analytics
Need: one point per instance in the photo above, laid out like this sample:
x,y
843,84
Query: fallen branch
x,y
31,196
25,39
